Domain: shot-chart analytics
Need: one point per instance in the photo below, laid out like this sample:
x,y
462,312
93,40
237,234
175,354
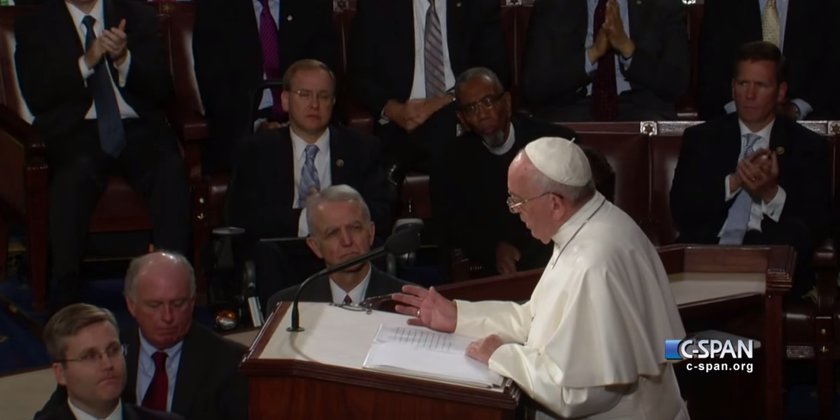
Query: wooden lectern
x,y
290,380
317,374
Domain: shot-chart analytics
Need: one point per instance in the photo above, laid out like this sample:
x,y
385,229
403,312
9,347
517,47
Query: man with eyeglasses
x,y
83,342
471,183
174,364
278,169
591,340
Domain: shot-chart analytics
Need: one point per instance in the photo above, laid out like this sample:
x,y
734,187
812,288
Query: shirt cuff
x,y
729,107
804,107
728,195
625,62
122,69
83,68
773,208
588,66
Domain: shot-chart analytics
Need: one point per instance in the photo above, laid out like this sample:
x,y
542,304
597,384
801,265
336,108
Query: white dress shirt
x,y
356,295
82,415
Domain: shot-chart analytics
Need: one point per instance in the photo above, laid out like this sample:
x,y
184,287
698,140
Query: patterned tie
x,y
269,39
308,175
108,119
738,218
157,392
347,300
770,30
433,54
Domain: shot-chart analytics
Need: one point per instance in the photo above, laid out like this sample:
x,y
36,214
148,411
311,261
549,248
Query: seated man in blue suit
x,y
340,228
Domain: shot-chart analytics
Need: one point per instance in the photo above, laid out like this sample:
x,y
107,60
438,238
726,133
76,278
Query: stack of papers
x,y
420,352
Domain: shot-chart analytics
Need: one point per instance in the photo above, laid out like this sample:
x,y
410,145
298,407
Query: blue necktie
x,y
739,213
109,122
308,175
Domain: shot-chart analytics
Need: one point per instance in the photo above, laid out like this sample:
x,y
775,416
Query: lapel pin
x,y
339,163
780,150
458,4
289,18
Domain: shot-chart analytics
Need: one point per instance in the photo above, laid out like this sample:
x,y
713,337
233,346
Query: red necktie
x,y
604,96
155,398
347,300
271,55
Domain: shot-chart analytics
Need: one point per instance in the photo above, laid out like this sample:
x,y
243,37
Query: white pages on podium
x,y
420,352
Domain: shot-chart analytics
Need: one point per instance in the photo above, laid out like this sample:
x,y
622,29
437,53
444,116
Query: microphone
x,y
398,243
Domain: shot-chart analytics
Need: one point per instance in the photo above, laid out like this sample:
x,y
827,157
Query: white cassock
x,y
591,341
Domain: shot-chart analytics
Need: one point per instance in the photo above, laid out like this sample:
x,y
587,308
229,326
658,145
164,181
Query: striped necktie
x,y
770,29
308,175
738,218
433,54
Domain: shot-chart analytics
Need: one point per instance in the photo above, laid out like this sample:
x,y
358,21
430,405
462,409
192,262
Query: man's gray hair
x,y
474,72
139,263
334,194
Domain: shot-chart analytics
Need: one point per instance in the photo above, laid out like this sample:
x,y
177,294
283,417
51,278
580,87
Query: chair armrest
x,y
23,131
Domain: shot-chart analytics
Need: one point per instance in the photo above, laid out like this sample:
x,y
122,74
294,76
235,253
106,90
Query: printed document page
x,y
429,354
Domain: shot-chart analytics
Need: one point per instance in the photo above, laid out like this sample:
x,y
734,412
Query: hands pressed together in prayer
x,y
112,42
414,112
430,309
758,173
611,36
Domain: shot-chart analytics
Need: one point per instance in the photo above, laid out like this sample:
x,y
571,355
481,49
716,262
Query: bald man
x,y
201,369
590,342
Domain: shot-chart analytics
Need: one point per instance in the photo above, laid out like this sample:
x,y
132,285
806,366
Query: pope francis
x,y
590,342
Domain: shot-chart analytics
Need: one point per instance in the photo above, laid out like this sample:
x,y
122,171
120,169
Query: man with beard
x,y
470,192
340,229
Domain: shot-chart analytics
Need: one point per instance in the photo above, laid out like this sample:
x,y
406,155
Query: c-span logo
x,y
711,354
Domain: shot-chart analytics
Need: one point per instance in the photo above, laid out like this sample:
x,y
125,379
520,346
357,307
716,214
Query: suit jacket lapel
x,y
285,168
189,368
778,139
65,33
731,143
454,38
132,357
338,152
637,14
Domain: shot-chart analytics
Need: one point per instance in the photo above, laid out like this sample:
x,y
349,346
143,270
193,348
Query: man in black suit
x,y
403,81
88,361
229,63
274,175
201,369
806,31
99,110
754,177
645,41
474,177
340,229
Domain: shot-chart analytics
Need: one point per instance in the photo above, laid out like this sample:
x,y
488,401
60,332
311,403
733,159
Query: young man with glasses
x,y
277,170
83,342
470,188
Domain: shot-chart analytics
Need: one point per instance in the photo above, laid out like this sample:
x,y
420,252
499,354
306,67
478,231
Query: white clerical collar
x,y
569,229
356,295
83,415
506,146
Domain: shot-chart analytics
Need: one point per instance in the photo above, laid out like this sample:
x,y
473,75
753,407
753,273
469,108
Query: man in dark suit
x,y
404,55
806,31
200,370
754,177
275,173
99,110
473,210
340,229
229,43
644,43
88,361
